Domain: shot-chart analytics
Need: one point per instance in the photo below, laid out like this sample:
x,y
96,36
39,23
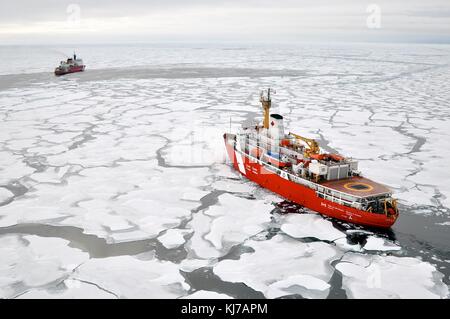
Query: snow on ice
x,y
130,277
373,276
173,238
310,225
283,266
32,261
380,244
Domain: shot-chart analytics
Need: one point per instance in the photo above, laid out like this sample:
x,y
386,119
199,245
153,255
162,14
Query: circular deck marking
x,y
358,187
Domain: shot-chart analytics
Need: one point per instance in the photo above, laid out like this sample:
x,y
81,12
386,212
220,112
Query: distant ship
x,y
72,65
296,168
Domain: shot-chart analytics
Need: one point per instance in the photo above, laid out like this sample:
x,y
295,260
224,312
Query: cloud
x,y
230,20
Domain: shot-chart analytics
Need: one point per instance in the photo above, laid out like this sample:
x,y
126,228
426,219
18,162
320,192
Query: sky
x,y
220,21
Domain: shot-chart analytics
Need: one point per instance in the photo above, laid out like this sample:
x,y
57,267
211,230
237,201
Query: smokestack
x,y
276,126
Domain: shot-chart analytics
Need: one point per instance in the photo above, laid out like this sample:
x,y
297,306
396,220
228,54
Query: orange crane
x,y
312,144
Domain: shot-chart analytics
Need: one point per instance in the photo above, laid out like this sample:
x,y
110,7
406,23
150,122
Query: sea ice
x,y
173,238
234,186
224,171
345,245
74,289
300,284
105,200
373,276
194,195
129,277
282,266
201,248
34,261
419,195
231,221
236,219
5,195
12,168
377,243
310,225
205,294
51,175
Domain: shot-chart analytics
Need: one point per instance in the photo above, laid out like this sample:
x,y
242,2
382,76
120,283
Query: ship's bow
x,y
230,140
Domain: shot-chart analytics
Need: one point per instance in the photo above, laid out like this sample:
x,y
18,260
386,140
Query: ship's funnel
x,y
276,130
276,126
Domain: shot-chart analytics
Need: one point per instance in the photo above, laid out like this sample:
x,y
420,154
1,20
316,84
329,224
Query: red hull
x,y
305,196
72,69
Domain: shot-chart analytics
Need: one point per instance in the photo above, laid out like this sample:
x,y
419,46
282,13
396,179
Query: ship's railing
x,y
340,200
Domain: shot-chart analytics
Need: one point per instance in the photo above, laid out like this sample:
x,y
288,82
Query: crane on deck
x,y
312,144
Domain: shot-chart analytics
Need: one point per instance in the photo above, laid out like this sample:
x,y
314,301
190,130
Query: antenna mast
x,y
266,102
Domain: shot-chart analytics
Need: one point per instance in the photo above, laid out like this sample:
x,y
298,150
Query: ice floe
x,y
73,289
173,238
104,200
234,186
377,243
51,175
310,225
12,168
189,265
225,171
194,195
283,266
32,261
5,195
197,245
236,219
204,294
129,277
298,284
232,220
373,276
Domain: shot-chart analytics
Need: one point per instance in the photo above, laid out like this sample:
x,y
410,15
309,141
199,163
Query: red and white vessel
x,y
296,168
72,65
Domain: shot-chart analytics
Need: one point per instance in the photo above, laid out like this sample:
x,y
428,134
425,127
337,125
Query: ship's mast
x,y
266,104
